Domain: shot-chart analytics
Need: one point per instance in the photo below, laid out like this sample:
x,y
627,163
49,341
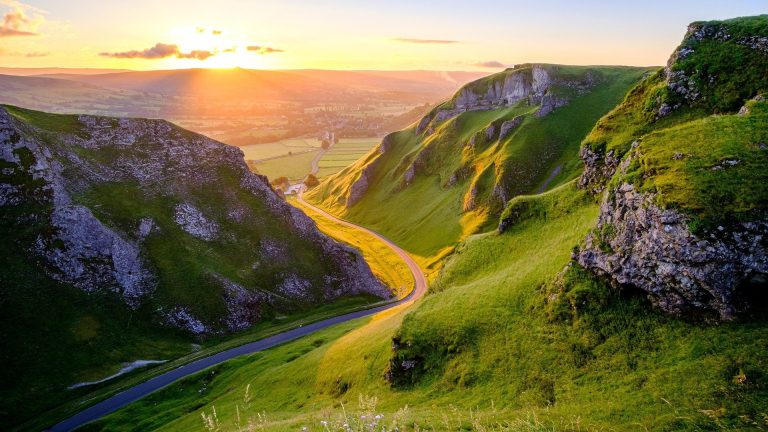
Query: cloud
x,y
30,54
196,54
492,64
263,49
214,32
160,51
16,22
426,41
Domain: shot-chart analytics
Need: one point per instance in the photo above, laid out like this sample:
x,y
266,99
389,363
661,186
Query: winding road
x,y
138,391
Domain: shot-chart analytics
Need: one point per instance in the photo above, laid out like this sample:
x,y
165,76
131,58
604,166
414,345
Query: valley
x,y
221,232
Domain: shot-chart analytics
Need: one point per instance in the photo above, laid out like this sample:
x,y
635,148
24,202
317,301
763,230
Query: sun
x,y
229,50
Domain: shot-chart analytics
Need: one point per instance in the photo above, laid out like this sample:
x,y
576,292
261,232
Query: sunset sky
x,y
346,34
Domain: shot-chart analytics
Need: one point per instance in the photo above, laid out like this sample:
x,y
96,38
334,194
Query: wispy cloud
x,y
21,20
426,41
34,54
30,54
160,51
263,49
491,64
214,32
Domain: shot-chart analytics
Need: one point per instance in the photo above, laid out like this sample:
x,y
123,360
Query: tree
x,y
311,181
281,183
325,145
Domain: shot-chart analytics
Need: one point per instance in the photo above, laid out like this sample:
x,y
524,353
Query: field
x,y
295,167
257,152
344,153
279,163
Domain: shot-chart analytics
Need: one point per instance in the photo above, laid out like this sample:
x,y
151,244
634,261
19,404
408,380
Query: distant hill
x,y
297,85
66,96
57,70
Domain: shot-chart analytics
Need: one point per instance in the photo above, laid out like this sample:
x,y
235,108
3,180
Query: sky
x,y
348,34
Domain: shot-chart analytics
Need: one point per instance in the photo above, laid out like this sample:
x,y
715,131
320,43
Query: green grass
x,y
64,123
504,336
687,166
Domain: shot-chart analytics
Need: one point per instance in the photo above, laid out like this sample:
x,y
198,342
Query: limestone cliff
x,y
681,168
167,219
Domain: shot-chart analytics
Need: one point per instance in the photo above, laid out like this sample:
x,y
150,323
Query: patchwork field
x,y
257,152
344,153
294,167
292,158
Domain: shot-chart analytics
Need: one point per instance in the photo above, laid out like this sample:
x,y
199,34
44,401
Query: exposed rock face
x,y
360,186
637,243
243,305
195,223
90,256
530,83
166,166
509,126
181,317
598,168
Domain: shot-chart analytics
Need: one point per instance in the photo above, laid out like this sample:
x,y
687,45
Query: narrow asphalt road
x,y
137,392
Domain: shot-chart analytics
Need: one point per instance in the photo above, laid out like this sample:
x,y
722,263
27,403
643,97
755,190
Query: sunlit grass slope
x,y
385,264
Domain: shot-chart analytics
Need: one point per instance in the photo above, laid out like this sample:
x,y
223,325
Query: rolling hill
x,y
283,85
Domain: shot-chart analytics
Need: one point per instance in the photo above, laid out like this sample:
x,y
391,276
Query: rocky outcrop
x,y
713,55
192,220
509,126
85,253
638,244
359,187
530,83
172,173
598,168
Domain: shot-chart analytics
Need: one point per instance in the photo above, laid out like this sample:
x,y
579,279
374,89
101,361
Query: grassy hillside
x,y
456,191
539,351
